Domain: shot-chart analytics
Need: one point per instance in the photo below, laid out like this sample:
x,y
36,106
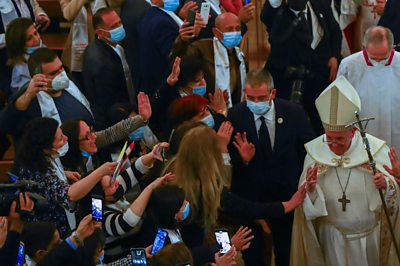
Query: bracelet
x,y
76,239
71,244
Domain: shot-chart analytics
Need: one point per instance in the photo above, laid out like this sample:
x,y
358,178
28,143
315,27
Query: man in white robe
x,y
375,74
341,219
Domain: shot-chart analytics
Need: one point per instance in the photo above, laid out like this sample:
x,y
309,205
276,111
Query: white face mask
x,y
61,151
60,82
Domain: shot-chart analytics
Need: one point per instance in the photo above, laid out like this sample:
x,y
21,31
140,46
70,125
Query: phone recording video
x,y
97,209
138,257
159,241
223,240
21,254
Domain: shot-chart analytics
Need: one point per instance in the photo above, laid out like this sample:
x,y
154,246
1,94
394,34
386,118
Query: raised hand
x,y
186,31
296,199
224,135
144,106
217,102
241,239
246,150
311,178
395,162
158,151
246,13
184,11
86,227
176,69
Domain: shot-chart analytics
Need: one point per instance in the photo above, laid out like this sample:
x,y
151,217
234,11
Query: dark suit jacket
x,y
285,47
132,12
273,177
104,80
157,33
391,18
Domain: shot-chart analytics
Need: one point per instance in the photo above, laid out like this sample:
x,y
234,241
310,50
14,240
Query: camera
x,y
10,192
297,74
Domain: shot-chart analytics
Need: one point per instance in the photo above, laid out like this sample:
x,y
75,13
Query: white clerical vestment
x,y
325,234
379,90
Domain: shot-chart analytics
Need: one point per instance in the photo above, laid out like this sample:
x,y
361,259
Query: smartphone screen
x,y
97,209
138,257
246,2
191,17
159,241
21,254
223,240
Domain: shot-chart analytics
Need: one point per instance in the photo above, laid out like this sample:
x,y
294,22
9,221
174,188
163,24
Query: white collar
x,y
356,155
269,116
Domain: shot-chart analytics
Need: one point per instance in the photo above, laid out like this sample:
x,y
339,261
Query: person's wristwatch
x,y
76,239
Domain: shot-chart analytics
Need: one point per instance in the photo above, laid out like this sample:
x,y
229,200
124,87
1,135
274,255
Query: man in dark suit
x,y
106,74
391,19
267,157
132,12
157,33
303,34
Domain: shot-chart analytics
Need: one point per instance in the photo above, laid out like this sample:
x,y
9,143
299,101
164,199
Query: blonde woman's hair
x,y
198,169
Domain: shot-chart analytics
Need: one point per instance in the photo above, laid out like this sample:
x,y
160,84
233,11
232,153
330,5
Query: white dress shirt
x,y
269,121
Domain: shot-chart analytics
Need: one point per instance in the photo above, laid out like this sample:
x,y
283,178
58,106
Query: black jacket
x,y
273,177
104,80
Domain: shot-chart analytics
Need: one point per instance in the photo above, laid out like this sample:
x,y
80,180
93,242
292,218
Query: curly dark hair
x,y
39,136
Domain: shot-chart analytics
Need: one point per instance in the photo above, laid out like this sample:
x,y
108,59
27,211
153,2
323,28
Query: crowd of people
x,y
149,133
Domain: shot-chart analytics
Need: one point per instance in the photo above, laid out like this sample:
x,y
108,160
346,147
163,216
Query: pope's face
x,y
339,141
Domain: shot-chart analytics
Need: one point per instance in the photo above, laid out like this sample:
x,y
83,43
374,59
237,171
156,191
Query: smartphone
x,y
97,208
21,254
138,257
191,17
159,241
205,11
223,240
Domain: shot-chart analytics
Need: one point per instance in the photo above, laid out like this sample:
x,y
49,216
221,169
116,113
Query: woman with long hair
x,y
37,160
22,39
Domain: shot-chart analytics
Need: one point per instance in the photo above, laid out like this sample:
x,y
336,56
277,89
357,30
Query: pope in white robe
x,y
378,85
341,221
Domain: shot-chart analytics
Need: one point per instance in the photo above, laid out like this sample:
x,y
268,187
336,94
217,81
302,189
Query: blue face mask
x,y
30,50
171,5
86,154
232,39
186,211
137,134
101,260
200,90
209,121
117,34
259,108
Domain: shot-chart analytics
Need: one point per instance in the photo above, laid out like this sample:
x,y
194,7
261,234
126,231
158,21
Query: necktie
x,y
128,77
263,137
305,27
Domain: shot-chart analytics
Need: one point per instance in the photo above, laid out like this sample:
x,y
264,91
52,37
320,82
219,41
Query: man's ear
x,y
273,94
217,33
39,255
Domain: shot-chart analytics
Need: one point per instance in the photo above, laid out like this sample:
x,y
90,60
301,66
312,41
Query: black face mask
x,y
297,5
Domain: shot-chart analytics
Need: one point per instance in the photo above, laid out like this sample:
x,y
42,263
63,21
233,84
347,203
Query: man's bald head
x,y
226,22
378,41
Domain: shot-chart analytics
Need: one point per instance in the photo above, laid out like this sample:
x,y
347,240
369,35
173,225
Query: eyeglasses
x,y
89,135
339,141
